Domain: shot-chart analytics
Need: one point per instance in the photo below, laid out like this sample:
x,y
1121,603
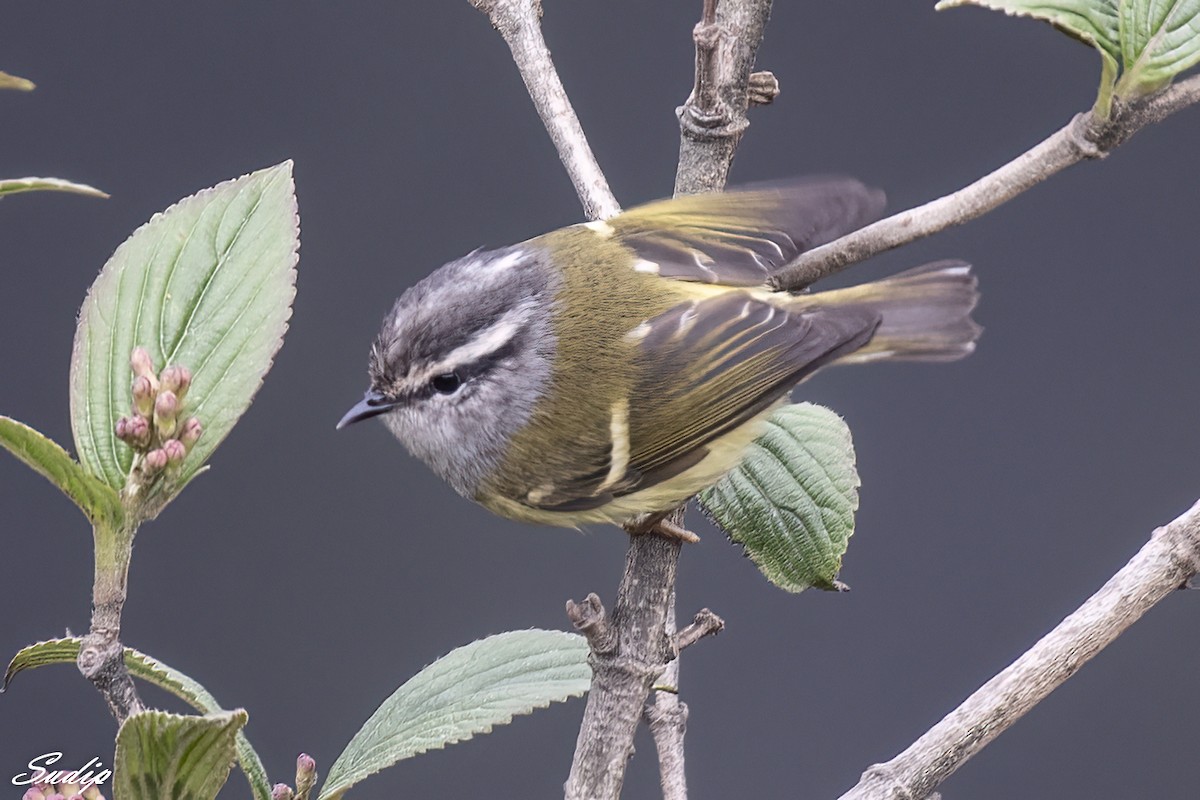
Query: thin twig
x,y
667,720
1084,137
1166,563
519,22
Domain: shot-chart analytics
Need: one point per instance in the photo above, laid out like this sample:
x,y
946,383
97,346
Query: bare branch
x,y
519,22
667,720
622,676
705,623
1084,137
1166,563
713,119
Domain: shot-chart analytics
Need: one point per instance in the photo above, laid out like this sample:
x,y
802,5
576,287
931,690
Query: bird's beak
x,y
372,404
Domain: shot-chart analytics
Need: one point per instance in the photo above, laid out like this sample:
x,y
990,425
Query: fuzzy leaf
x,y
94,497
467,691
207,284
163,756
13,82
791,501
143,667
1159,39
15,185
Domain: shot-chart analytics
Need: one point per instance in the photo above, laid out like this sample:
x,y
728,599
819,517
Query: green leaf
x,y
13,82
94,497
163,756
791,501
15,185
1159,39
467,691
207,284
1093,22
143,667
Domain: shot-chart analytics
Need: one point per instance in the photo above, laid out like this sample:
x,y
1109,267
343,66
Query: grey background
x,y
311,572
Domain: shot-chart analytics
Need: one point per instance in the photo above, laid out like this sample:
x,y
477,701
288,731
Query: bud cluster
x,y
306,780
157,430
62,791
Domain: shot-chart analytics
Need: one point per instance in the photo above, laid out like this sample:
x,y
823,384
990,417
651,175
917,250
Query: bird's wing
x,y
702,369
743,236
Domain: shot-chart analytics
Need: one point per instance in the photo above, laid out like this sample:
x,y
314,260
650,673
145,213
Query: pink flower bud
x,y
306,774
134,431
68,790
142,366
55,796
166,407
33,793
175,450
191,432
76,796
281,791
155,462
177,379
143,395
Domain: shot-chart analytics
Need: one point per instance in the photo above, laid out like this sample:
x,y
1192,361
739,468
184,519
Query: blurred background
x,y
311,572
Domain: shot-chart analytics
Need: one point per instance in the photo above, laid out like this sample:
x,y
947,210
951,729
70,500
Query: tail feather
x,y
925,313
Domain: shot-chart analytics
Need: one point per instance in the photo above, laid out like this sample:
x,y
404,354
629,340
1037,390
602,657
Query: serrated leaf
x,y
15,185
1159,39
163,756
1093,22
207,284
466,692
791,501
13,82
143,667
95,498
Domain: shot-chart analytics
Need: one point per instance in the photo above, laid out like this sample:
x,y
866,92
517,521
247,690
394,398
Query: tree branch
x,y
1166,563
1084,137
624,666
713,119
519,22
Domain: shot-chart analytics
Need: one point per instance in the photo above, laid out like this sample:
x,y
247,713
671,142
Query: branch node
x,y
590,619
763,88
102,661
704,624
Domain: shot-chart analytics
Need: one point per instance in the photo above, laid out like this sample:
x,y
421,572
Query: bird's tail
x,y
925,313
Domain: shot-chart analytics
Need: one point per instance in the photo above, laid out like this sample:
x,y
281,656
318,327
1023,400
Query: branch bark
x,y
519,22
1085,137
629,650
713,119
1167,562
101,656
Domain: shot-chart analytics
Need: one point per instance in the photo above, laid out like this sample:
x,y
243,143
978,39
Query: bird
x,y
608,371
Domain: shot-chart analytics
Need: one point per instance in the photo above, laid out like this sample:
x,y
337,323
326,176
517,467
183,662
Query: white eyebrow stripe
x,y
618,431
484,343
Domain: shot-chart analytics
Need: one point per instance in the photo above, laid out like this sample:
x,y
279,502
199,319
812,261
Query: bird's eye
x,y
446,384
